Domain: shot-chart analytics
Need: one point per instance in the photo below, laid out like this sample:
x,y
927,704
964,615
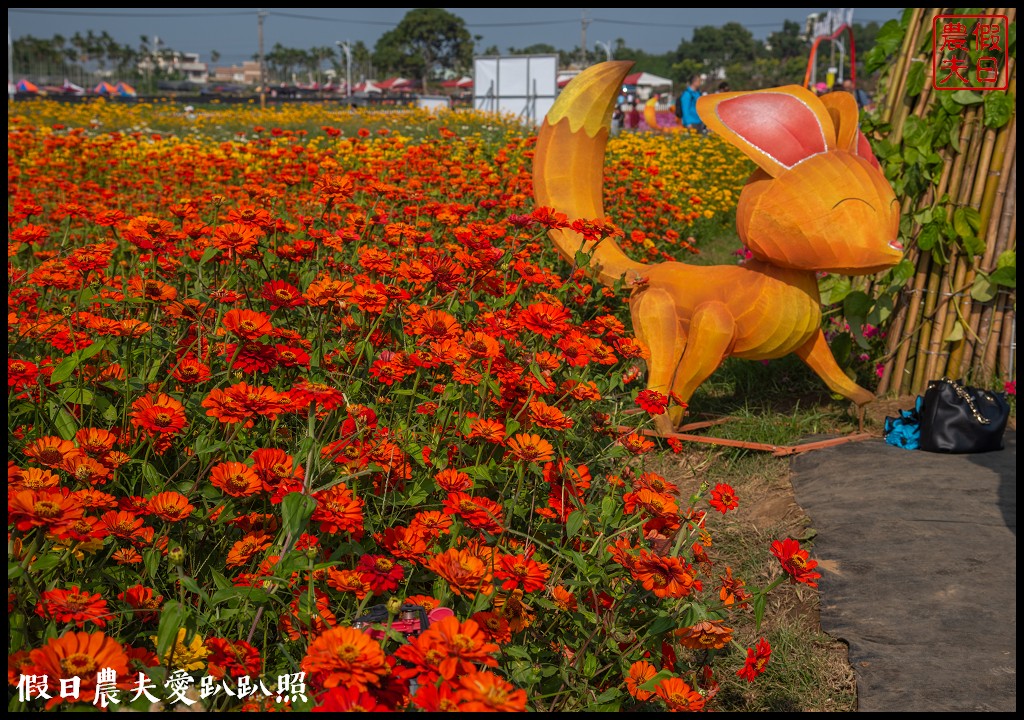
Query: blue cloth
x,y
905,431
688,108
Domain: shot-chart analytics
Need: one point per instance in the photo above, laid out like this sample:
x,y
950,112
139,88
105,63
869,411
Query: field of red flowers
x,y
304,412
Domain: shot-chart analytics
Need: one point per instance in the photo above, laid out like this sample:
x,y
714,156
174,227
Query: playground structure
x,y
831,27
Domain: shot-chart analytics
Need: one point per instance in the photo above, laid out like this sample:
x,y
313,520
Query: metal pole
x,y
263,73
346,46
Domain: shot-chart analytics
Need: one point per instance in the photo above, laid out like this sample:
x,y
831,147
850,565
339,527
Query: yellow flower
x,y
185,657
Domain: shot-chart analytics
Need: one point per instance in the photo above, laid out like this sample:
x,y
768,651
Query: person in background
x,y
821,88
686,106
723,87
633,113
863,99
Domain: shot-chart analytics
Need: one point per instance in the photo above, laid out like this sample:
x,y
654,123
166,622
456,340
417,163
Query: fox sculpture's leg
x,y
817,354
679,362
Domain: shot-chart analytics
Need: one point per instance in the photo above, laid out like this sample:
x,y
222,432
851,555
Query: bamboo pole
x,y
994,200
898,73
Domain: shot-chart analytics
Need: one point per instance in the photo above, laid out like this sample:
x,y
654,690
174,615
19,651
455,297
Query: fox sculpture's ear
x,y
842,106
777,128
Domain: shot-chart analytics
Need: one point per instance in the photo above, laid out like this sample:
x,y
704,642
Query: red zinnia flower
x,y
75,606
381,573
796,562
162,414
233,658
723,498
170,506
652,401
757,661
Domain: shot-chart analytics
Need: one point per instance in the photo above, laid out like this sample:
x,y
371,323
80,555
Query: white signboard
x,y
523,85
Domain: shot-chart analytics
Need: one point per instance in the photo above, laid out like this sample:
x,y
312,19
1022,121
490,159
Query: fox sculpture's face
x,y
819,200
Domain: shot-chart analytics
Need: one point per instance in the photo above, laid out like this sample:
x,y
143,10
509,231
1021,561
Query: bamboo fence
x,y
937,328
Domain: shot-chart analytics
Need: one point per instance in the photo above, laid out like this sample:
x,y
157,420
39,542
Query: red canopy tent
x,y
27,86
463,83
395,84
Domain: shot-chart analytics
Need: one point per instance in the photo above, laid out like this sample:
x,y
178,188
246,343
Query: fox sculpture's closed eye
x,y
818,201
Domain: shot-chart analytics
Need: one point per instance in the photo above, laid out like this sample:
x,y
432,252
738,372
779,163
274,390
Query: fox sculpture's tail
x,y
568,169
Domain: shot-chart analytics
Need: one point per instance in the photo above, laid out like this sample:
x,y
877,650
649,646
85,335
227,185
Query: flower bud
x,y
176,556
394,605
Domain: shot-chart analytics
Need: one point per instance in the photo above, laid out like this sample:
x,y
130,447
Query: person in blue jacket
x,y
686,106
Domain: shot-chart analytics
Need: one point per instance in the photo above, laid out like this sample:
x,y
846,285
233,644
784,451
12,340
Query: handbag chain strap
x,y
966,397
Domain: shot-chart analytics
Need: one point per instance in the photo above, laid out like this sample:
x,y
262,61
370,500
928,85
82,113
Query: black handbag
x,y
959,418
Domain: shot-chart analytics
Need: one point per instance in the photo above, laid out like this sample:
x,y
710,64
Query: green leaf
x,y
967,97
172,619
973,245
915,79
956,334
589,665
759,604
256,596
44,563
983,289
66,423
842,347
929,236
67,366
966,221
296,510
951,106
1005,276
209,254
998,109
76,396
574,523
662,624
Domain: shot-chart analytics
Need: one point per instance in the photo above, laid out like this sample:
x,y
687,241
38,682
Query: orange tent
x,y
125,90
105,88
27,86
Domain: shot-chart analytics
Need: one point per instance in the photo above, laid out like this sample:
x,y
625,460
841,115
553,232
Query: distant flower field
x,y
305,412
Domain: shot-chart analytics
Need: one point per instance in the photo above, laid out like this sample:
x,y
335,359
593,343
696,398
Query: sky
x,y
234,32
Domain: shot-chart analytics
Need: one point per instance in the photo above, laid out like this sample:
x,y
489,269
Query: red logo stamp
x,y
969,52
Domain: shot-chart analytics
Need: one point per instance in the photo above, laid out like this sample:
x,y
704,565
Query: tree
x,y
427,42
788,42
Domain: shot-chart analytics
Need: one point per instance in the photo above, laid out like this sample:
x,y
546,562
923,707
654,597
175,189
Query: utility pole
x,y
346,47
583,36
263,73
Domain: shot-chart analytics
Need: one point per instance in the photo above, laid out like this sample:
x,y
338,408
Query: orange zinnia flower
x,y
665,576
548,416
636,444
50,451
563,599
679,696
466,573
705,635
170,506
151,289
339,510
510,606
521,571
162,414
344,580
345,656
640,672
79,655
484,691
487,430
32,479
55,509
531,448
247,324
73,605
236,237
235,479
244,550
545,319
477,512
121,523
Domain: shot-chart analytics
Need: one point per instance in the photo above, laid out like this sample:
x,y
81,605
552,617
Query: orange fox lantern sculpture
x,y
818,201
